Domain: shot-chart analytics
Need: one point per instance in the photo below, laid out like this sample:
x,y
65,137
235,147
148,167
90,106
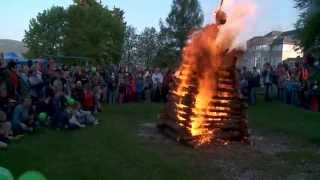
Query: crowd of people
x,y
294,84
47,94
50,95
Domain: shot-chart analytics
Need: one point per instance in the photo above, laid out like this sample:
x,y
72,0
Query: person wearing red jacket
x,y
88,99
303,75
13,80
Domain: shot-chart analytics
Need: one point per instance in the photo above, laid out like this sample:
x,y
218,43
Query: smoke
x,y
241,18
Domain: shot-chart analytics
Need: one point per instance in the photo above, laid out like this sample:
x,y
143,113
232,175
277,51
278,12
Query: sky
x,y
16,14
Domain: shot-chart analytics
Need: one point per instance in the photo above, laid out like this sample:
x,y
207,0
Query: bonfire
x,y
204,104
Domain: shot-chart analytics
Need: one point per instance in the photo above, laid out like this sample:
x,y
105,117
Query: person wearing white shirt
x,y
157,80
157,77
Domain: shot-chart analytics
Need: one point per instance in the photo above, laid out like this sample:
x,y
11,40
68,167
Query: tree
x,y
130,45
86,2
308,25
148,46
98,35
84,29
185,17
46,33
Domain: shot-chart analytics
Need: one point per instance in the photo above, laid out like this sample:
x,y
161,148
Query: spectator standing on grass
x,y
58,83
24,82
88,98
267,81
77,92
13,80
35,84
112,88
296,85
253,84
243,83
303,74
314,96
147,85
167,83
140,87
3,89
157,80
281,73
97,91
132,88
58,111
121,87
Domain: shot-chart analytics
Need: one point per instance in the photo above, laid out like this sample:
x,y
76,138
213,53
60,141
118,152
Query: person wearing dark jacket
x,y
253,84
58,111
267,81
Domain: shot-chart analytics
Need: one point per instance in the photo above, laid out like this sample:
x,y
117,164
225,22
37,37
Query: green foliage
x,y
129,53
85,29
148,45
141,48
314,74
86,2
185,17
308,25
162,48
45,34
166,57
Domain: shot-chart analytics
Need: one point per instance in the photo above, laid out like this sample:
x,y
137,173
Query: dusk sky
x,y
16,14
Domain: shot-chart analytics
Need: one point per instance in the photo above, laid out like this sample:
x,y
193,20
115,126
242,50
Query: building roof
x,y
274,38
273,34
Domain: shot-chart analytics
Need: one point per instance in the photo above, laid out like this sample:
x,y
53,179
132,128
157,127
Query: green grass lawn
x,y
113,150
108,151
295,122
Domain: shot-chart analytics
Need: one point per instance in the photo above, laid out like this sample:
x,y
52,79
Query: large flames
x,y
206,58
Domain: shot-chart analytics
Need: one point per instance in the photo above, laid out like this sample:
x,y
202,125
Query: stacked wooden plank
x,y
226,115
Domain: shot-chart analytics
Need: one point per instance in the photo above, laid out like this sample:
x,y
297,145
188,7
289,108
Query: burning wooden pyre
x,y
204,105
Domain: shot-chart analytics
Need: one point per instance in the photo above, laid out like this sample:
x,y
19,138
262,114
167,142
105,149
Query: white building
x,y
273,48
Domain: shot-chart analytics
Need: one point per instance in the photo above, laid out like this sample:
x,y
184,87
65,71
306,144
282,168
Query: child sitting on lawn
x,y
84,117
73,122
5,130
22,119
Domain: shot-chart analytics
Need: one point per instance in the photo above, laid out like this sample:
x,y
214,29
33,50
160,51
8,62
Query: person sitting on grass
x,y
5,130
22,120
73,122
43,107
84,117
